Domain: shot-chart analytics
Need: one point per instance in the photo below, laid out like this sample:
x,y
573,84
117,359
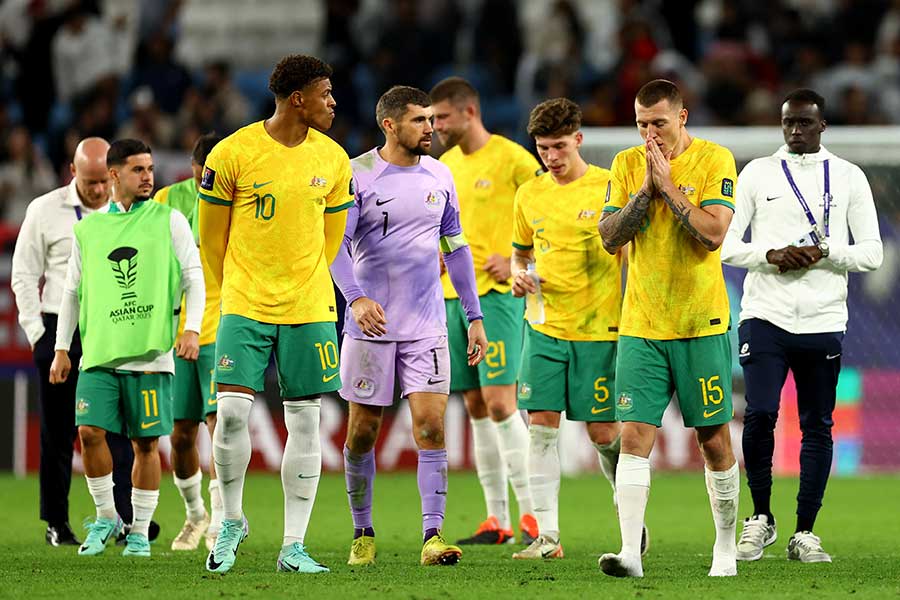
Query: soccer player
x,y
195,392
275,195
672,198
130,261
794,308
568,361
487,170
405,208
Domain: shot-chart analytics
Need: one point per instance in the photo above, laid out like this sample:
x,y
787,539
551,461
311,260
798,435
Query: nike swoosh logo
x,y
327,378
302,476
831,356
444,493
536,221
256,186
379,202
148,425
212,402
493,374
597,411
707,414
434,381
213,565
769,199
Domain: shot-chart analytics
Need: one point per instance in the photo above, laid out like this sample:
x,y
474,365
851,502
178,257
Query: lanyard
x,y
816,234
78,212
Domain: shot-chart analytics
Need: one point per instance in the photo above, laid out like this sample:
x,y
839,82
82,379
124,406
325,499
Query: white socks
x,y
231,449
101,489
723,488
512,434
632,491
609,458
491,469
143,502
543,469
300,467
190,490
215,506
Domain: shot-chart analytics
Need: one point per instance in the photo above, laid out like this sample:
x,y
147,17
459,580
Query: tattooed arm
x,y
619,227
707,225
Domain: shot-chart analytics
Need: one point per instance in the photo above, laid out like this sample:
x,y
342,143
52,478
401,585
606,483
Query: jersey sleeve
x,y
342,194
617,190
526,167
219,182
451,232
720,180
523,234
162,195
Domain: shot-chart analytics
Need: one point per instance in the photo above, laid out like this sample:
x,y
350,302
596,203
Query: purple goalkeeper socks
x,y
359,472
432,479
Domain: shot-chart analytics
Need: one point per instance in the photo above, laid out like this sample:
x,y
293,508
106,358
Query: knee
x,y
429,432
362,435
603,434
91,436
146,445
183,438
756,419
716,447
231,418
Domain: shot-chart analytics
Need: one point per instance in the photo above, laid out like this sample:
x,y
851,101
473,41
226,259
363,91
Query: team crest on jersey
x,y
364,387
728,188
208,180
524,391
226,363
687,190
318,182
624,402
482,184
432,200
586,213
82,407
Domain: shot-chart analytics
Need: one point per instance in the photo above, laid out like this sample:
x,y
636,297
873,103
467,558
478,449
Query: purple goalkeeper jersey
x,y
393,231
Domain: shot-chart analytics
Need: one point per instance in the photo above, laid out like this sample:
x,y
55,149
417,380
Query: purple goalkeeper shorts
x,y
368,369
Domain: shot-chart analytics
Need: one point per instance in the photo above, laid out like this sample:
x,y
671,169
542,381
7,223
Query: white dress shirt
x,y
810,300
42,250
191,283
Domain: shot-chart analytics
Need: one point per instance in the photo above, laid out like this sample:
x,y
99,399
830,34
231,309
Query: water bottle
x,y
534,303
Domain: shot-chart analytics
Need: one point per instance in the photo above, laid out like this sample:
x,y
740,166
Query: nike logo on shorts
x,y
434,381
707,414
493,374
148,425
597,411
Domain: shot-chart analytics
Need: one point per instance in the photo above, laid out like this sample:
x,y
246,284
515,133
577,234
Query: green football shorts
x,y
306,355
503,324
697,369
560,375
195,386
135,403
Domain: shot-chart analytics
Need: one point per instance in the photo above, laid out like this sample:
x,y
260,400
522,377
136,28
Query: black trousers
x,y
766,354
58,431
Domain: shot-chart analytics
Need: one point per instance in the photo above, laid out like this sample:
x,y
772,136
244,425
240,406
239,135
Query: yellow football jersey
x,y
675,287
583,284
210,324
275,270
486,183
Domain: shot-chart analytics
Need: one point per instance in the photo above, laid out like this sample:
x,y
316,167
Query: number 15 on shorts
x,y
712,395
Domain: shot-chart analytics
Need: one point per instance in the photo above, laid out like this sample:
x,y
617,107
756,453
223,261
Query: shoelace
x,y
297,551
186,531
754,531
809,542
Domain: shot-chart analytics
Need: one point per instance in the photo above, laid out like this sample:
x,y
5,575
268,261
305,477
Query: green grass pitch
x,y
859,526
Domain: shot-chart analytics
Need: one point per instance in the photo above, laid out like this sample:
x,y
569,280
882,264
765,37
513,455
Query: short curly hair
x,y
296,71
554,117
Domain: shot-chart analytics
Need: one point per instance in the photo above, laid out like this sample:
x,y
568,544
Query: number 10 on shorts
x,y
711,390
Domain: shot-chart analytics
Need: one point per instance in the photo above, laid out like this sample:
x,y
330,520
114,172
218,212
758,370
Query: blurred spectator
x,y
25,175
147,122
231,107
155,67
83,52
497,41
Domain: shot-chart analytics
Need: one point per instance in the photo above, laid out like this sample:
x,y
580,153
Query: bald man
x,y
42,250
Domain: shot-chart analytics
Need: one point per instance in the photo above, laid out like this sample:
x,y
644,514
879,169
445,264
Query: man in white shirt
x,y
42,252
130,263
802,204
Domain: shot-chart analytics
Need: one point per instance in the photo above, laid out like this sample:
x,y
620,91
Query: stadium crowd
x,y
76,68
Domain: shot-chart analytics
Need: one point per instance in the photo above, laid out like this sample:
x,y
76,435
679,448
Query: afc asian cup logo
x,y
123,261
